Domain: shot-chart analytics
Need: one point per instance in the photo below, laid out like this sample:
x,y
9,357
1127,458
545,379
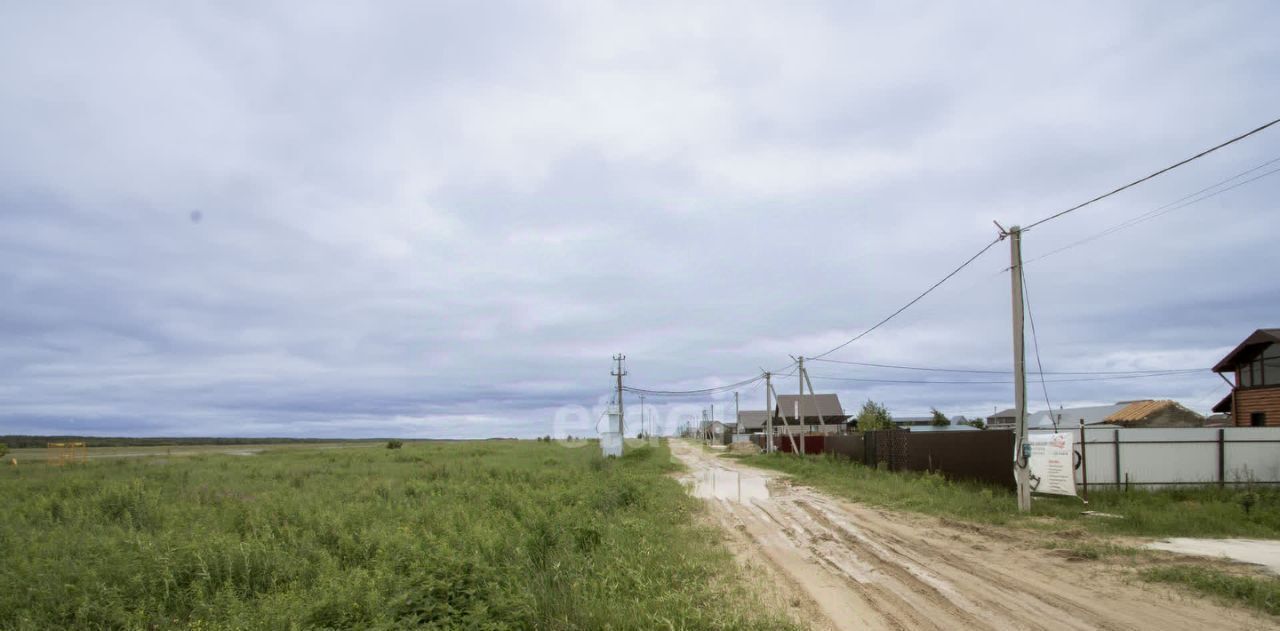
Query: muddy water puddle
x,y
727,484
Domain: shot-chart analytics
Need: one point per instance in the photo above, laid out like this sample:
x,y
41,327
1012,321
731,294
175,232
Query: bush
x,y
4,449
874,416
395,444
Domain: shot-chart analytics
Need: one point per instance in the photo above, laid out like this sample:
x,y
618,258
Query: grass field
x,y
40,454
484,535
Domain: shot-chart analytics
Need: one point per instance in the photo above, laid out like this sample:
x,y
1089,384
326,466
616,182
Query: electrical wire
x,y
1153,175
1035,339
1009,372
1177,204
912,302
699,392
993,382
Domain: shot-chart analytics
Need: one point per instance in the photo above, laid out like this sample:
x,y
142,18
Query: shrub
x,y
874,416
395,444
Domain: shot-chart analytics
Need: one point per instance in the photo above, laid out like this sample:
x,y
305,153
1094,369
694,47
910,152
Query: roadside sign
x,y
1052,464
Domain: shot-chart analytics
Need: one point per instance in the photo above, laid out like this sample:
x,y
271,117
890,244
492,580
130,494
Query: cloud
x,y
428,220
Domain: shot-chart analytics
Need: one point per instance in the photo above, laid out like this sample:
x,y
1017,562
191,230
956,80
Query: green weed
x,y
491,535
1261,593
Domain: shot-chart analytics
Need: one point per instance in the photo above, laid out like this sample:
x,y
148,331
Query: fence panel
x,y
976,456
847,445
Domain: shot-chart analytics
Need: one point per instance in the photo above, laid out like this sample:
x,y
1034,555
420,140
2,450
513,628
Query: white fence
x,y
1114,457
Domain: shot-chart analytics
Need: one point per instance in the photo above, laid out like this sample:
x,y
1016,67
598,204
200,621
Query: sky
x,y
442,219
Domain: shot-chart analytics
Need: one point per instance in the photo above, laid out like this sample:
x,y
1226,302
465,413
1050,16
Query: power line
x,y
913,300
699,392
993,382
1035,340
1008,372
1153,175
1167,208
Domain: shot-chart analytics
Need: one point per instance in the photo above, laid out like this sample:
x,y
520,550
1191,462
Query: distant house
x,y
945,428
1155,414
1071,417
714,430
752,421
1004,419
1140,413
818,413
1255,369
912,421
1218,420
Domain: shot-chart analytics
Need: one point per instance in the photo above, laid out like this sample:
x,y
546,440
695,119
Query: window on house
x,y
1271,365
1244,376
1258,419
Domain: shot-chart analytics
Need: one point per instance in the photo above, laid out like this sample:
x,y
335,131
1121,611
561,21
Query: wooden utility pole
x,y
1020,473
783,415
800,378
619,373
817,410
768,407
643,430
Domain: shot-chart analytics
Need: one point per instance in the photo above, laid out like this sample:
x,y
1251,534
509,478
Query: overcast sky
x,y
431,219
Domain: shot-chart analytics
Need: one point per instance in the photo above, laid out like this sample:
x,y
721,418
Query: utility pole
x,y
768,406
643,429
1020,472
799,378
736,413
619,373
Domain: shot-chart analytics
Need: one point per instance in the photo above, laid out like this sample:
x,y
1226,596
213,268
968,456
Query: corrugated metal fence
x,y
1111,457
1107,457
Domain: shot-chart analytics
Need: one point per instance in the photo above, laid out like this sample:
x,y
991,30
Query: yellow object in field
x,y
67,453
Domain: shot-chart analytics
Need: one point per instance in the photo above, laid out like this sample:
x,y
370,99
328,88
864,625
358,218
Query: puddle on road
x,y
726,484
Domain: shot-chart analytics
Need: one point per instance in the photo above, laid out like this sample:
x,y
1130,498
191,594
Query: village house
x,y
1155,414
752,421
819,413
1139,413
1254,366
1003,419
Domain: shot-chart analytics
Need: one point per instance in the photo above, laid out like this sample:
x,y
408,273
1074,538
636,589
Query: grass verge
x,y
482,535
1261,593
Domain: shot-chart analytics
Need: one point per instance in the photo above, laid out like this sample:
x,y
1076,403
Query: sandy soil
x,y
846,566
1264,553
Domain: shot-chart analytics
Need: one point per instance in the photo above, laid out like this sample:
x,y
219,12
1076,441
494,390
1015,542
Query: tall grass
x,y
488,535
1192,511
1261,593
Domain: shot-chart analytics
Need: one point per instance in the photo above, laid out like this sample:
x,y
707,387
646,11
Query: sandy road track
x,y
862,568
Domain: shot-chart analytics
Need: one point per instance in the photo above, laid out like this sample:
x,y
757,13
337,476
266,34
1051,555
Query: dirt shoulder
x,y
863,568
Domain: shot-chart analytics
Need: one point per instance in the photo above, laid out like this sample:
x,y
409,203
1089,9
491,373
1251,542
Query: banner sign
x,y
1052,463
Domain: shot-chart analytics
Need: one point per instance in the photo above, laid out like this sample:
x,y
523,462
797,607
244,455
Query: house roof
x,y
1139,410
1091,415
913,420
812,406
1247,349
1004,413
1224,406
945,428
752,419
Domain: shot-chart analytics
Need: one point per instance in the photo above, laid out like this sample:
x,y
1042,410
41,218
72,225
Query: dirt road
x,y
851,567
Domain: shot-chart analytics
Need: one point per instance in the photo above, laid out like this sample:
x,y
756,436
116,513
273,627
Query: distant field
x,y
480,535
34,454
